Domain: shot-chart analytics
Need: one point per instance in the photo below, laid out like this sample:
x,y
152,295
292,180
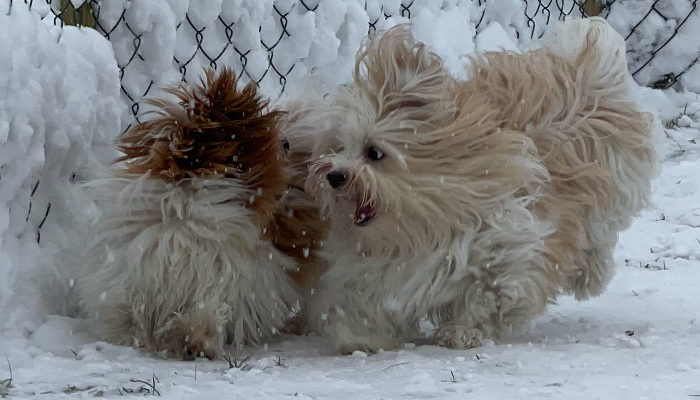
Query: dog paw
x,y
297,325
204,346
349,340
366,345
190,338
459,337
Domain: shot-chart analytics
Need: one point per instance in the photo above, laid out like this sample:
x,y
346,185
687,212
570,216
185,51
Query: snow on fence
x,y
276,42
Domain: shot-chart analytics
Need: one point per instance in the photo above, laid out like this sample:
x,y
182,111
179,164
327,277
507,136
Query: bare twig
x,y
396,365
74,389
280,362
452,378
41,224
7,383
235,362
149,389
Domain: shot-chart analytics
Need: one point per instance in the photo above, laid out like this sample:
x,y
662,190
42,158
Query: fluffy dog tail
x,y
593,37
611,131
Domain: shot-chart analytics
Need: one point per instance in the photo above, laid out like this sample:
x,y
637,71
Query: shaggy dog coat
x,y
184,259
475,203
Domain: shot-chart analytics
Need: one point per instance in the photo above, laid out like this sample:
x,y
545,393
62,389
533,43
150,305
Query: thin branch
x,y
395,365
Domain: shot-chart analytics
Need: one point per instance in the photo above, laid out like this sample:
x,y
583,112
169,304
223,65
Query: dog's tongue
x,y
363,213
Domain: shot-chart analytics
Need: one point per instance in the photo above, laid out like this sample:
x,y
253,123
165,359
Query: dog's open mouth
x,y
364,212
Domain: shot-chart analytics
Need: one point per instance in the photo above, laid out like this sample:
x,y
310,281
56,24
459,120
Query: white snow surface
x,y
639,340
60,107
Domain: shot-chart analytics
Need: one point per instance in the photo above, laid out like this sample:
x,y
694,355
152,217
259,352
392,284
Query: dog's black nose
x,y
337,178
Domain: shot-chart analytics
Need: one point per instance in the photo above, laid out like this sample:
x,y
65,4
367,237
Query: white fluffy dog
x,y
475,203
183,260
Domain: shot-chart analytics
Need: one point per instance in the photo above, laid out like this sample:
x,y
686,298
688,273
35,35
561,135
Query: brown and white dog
x,y
475,203
185,258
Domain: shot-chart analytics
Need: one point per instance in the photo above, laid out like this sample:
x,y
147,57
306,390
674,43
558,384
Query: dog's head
x,y
407,158
213,131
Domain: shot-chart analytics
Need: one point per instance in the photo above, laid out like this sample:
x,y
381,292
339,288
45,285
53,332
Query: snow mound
x,y
59,104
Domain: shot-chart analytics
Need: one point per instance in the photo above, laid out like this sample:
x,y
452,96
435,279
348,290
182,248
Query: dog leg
x,y
490,312
509,280
494,305
198,334
459,337
361,326
352,336
598,265
473,318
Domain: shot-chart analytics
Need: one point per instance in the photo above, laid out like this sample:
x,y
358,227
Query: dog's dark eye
x,y
285,146
375,154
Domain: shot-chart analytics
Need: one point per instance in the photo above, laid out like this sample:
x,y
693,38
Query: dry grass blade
x,y
452,378
235,362
6,384
280,362
149,389
396,365
75,389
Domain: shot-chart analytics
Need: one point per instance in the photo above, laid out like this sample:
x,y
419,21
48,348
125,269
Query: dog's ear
x,y
396,70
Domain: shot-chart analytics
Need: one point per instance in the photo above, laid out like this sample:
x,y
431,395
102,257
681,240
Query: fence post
x,y
593,7
82,16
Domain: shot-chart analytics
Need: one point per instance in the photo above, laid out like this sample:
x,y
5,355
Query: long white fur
x,y
567,39
630,174
470,254
171,258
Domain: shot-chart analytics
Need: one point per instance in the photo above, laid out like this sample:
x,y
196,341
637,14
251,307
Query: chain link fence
x,y
650,28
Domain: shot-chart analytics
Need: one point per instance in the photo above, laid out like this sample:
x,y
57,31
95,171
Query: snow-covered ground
x,y
641,339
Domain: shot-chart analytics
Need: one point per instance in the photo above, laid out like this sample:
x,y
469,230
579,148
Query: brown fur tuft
x,y
297,228
214,130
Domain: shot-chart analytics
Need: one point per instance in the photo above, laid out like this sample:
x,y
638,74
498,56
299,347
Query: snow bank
x,y
59,103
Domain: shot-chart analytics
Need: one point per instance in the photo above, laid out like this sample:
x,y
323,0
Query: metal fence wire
x,y
212,45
